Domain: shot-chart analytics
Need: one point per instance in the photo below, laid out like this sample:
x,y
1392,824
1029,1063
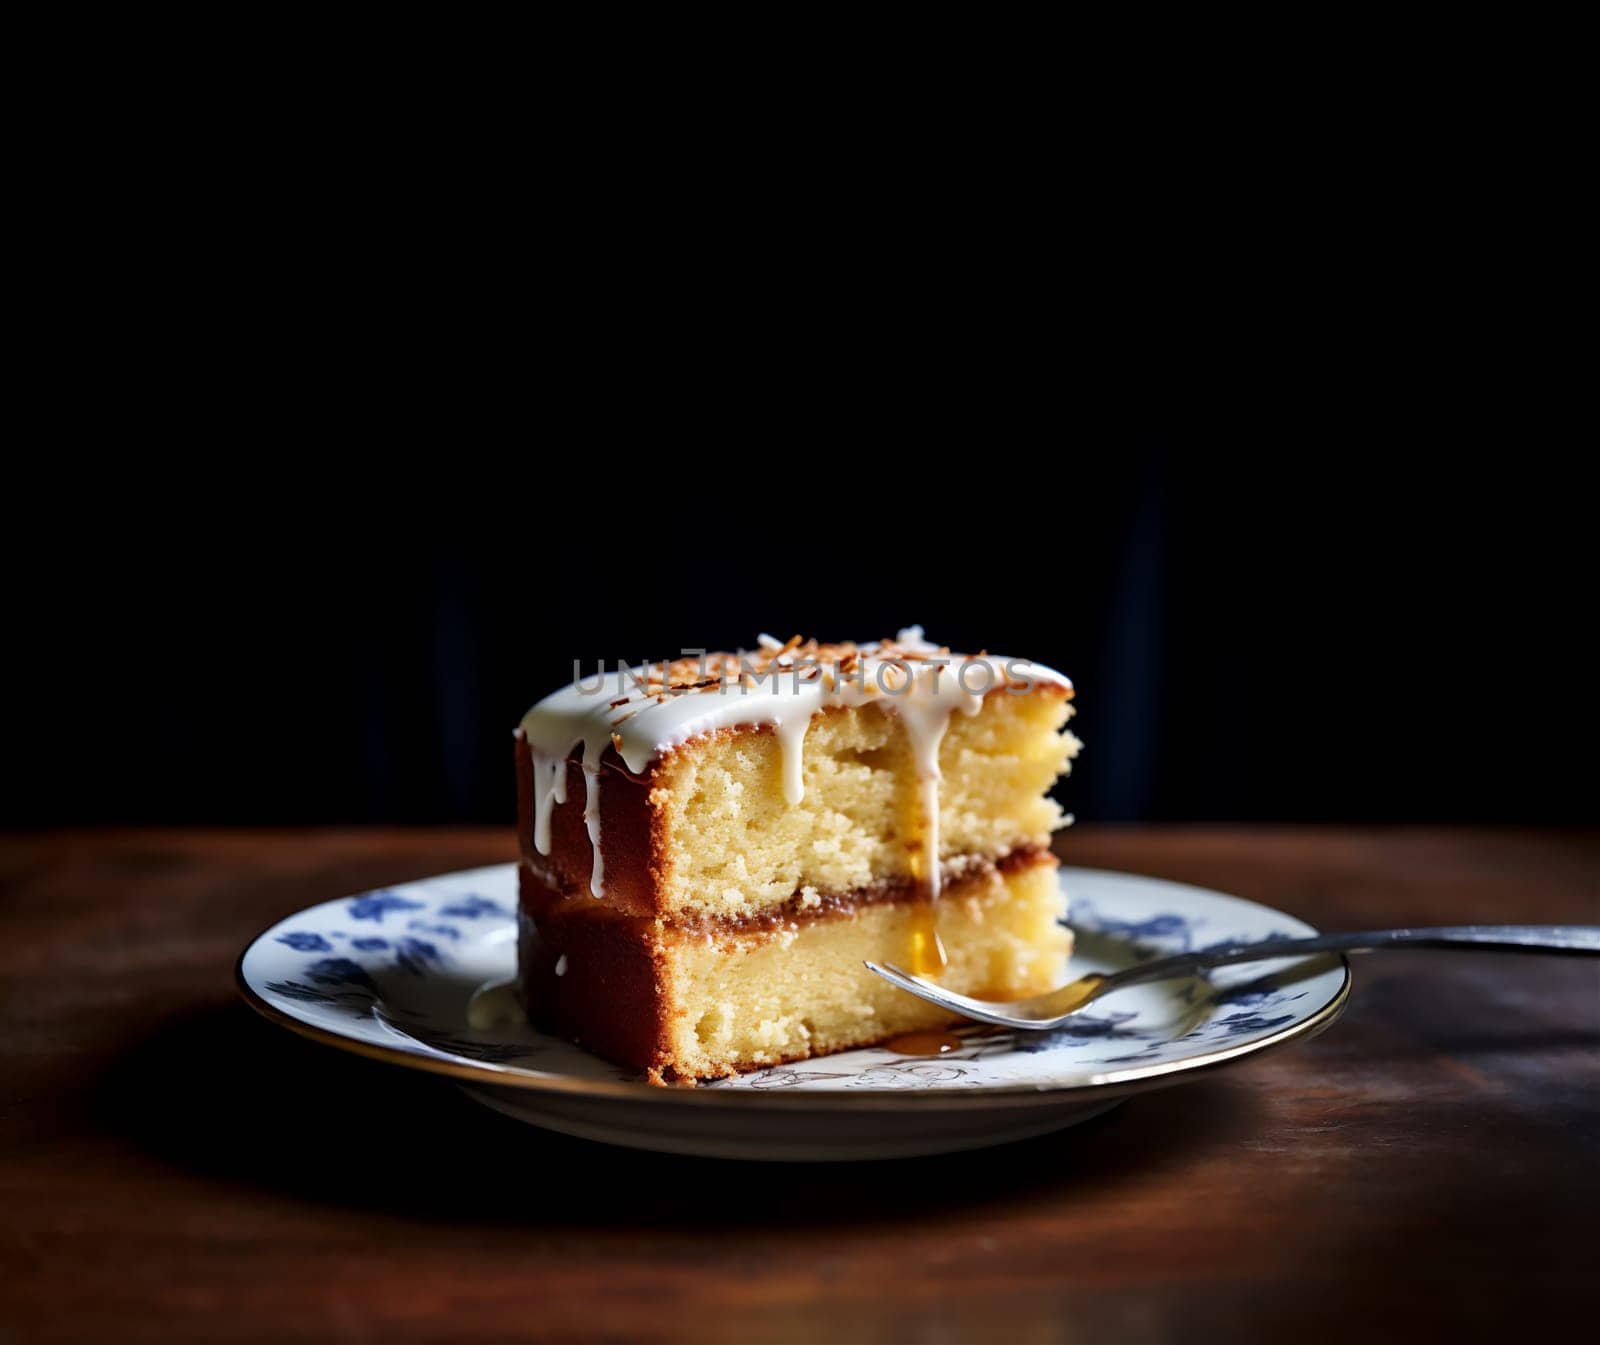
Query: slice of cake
x,y
712,848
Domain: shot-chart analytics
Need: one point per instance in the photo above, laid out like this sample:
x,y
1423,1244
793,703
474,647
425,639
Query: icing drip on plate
x,y
646,711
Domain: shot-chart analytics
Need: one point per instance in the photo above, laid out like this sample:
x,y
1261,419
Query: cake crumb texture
x,y
732,846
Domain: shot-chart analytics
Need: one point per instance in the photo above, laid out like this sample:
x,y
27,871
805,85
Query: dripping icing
x,y
668,705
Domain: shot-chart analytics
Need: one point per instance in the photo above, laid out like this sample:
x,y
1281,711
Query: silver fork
x,y
1042,1012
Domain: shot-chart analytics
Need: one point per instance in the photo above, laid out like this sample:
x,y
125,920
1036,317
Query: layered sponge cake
x,y
712,848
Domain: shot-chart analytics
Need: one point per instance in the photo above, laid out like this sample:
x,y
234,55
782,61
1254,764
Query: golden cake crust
x,y
593,975
633,841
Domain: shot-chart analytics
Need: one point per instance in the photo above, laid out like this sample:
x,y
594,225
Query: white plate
x,y
390,973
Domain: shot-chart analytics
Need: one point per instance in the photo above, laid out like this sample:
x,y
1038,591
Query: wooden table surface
x,y
173,1168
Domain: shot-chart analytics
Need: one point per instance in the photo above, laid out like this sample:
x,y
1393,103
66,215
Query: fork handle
x,y
1582,940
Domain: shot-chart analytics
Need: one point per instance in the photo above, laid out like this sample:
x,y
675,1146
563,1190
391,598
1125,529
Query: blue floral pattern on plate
x,y
407,989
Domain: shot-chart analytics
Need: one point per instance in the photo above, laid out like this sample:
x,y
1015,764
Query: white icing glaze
x,y
926,717
549,788
908,677
592,752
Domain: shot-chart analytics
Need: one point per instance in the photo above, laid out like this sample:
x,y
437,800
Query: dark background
x,y
1351,613
323,467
